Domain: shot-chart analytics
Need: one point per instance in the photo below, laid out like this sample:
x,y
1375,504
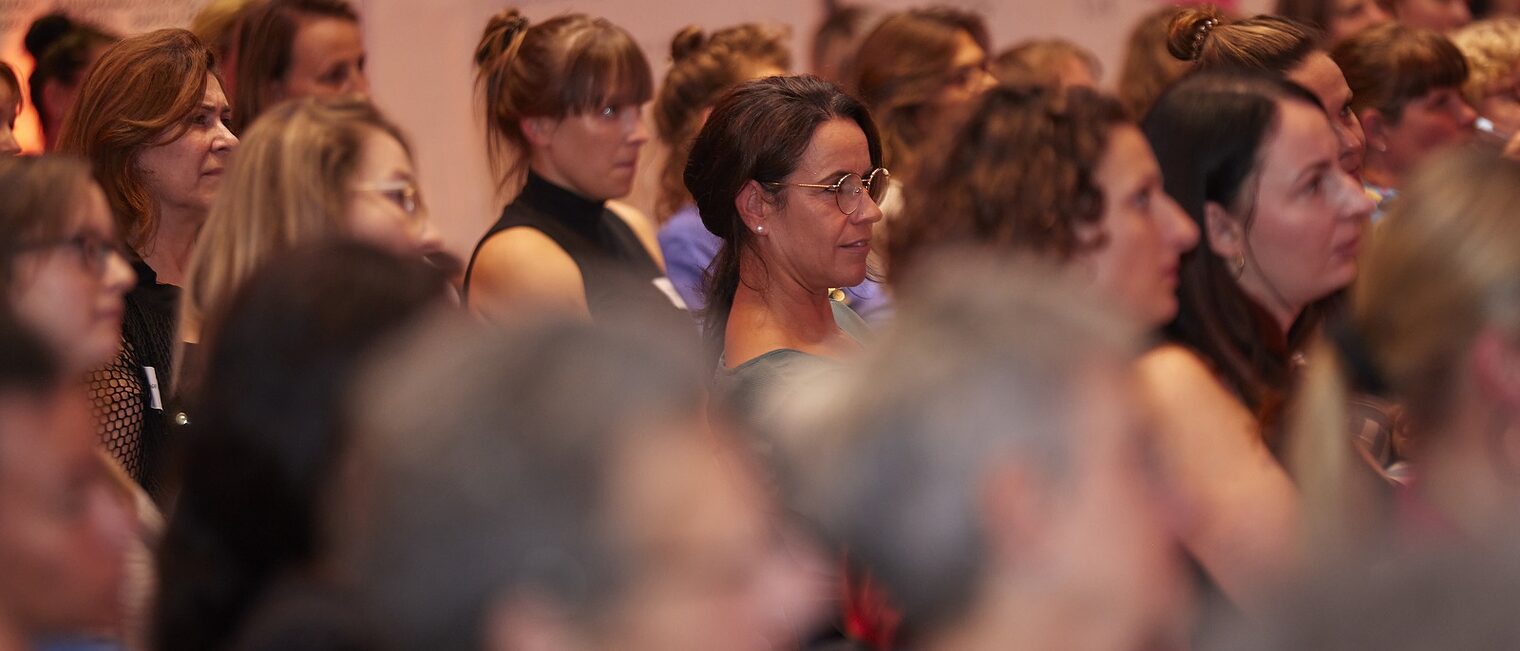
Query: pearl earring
x,y
759,229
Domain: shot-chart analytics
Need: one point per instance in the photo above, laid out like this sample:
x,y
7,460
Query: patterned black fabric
x,y
132,430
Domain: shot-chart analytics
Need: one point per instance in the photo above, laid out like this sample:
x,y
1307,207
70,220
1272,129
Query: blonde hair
x,y
1443,265
1492,48
288,184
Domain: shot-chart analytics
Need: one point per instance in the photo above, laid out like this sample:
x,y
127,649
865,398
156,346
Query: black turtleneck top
x,y
616,270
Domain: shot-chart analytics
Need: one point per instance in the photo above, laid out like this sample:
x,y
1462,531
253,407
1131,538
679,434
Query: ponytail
x,y
498,48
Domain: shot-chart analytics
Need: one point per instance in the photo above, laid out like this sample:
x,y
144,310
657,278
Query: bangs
x,y
610,70
1423,63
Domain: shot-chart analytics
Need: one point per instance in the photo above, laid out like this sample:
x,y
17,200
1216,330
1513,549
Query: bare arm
x,y
521,271
1243,514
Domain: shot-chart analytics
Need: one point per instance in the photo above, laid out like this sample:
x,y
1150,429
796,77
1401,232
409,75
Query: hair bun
x,y
501,31
1190,30
46,31
687,42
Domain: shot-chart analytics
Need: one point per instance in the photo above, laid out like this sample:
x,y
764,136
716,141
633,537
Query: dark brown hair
x,y
569,64
265,35
1270,44
61,47
137,95
1311,13
1018,174
1208,132
902,65
8,76
844,24
1390,65
757,132
702,68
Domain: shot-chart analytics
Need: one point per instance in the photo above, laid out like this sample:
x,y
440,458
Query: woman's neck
x,y
1282,312
778,312
169,252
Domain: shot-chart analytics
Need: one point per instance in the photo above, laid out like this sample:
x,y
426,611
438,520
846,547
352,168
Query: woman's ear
x,y
537,130
1226,236
755,207
1376,126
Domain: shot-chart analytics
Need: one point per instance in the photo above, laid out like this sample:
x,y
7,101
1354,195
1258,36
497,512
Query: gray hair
x,y
886,459
484,460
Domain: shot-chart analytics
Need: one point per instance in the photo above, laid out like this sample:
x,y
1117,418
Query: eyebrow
x,y
1316,168
835,175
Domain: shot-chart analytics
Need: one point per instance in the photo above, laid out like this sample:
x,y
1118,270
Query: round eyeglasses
x,y
848,189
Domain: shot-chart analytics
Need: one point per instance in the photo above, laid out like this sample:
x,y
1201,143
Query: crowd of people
x,y
934,346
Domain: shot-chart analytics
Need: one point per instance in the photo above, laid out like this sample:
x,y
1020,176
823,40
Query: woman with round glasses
x,y
787,171
307,170
563,100
61,268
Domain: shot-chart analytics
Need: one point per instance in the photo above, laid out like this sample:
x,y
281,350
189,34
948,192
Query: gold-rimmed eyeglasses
x,y
849,188
402,193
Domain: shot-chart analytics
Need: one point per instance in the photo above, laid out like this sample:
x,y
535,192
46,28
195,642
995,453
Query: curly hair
x,y
1019,174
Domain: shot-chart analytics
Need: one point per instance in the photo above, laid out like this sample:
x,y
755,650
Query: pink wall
x,y
420,63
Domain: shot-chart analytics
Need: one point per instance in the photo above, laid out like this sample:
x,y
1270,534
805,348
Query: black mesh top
x,y
133,428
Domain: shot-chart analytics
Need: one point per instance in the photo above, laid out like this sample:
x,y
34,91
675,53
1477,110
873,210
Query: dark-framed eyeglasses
x,y
849,188
94,252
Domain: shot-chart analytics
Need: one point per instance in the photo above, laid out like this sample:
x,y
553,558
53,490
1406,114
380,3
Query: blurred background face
x,y
64,527
1434,120
185,173
1349,17
1319,74
1145,231
1437,15
385,208
1111,542
70,290
968,78
326,60
709,567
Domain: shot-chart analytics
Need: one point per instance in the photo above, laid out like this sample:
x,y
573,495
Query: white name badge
x,y
155,400
664,285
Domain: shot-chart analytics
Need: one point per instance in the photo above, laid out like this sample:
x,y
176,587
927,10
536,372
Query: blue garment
x,y
689,248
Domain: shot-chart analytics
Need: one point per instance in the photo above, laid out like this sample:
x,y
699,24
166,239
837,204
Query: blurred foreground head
x,y
985,464
556,487
64,528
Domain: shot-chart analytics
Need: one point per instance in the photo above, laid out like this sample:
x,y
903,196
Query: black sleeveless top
x,y
616,270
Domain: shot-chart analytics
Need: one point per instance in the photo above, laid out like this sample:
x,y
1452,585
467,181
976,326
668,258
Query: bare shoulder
x,y
523,265
643,227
